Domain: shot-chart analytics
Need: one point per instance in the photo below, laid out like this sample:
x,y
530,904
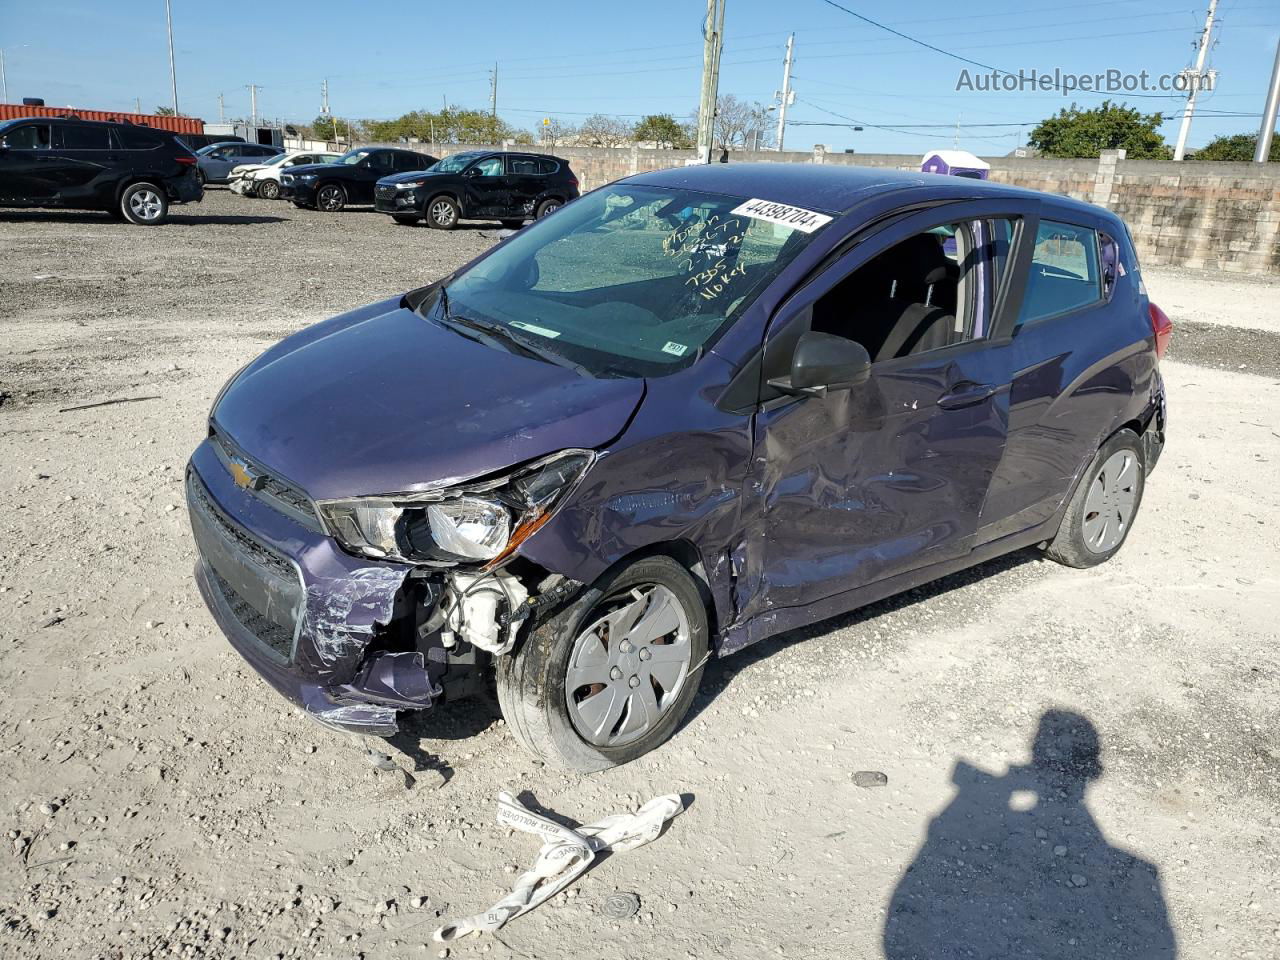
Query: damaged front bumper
x,y
335,635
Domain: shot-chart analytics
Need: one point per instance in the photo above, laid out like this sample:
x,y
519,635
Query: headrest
x,y
943,271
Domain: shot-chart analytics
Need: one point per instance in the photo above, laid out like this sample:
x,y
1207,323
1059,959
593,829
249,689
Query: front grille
x,y
385,193
273,491
255,549
270,634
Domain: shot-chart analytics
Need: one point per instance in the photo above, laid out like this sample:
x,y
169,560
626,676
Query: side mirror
x,y
822,362
471,172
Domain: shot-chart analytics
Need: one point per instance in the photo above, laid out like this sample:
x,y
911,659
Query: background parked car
x,y
351,179
217,159
479,185
197,141
130,171
263,179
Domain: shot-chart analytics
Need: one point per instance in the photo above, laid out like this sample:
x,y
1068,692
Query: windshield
x,y
453,164
352,156
630,280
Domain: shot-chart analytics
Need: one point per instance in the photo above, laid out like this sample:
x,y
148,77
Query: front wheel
x,y
1104,505
144,204
267,189
331,198
443,213
611,676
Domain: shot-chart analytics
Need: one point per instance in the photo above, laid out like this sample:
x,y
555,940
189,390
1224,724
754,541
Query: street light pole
x,y
173,73
1195,78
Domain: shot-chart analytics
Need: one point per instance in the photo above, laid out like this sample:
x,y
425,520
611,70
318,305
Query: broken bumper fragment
x,y
328,631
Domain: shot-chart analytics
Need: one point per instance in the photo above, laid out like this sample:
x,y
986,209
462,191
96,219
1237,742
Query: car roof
x,y
838,188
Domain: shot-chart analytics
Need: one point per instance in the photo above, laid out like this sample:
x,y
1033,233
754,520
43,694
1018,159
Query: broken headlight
x,y
473,523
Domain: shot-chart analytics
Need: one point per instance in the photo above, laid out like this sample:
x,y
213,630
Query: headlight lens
x,y
306,176
410,185
479,523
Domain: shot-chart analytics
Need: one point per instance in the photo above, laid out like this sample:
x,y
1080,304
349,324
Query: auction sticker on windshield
x,y
798,218
532,328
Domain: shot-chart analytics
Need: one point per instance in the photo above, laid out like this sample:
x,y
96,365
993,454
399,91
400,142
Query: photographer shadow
x,y
1016,866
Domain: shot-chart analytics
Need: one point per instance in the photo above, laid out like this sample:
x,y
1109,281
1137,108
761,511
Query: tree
x,y
599,130
1240,147
739,123
662,129
167,112
1086,133
328,127
556,131
453,124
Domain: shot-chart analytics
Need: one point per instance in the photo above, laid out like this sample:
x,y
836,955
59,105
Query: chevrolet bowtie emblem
x,y
244,475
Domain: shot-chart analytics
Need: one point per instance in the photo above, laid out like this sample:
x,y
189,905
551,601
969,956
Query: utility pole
x,y
324,97
137,104
493,94
4,81
713,37
173,73
1195,77
1269,114
221,112
786,96
253,106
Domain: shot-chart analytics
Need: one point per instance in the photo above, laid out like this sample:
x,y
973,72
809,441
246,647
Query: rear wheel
x,y
611,676
267,189
443,213
546,208
331,198
1104,505
404,219
144,204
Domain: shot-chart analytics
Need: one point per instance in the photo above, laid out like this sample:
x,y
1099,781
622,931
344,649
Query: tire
x,y
443,213
546,208
1105,503
200,178
331,197
405,219
144,204
512,224
267,190
534,682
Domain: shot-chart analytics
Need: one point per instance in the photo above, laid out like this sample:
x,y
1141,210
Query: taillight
x,y
188,160
1162,327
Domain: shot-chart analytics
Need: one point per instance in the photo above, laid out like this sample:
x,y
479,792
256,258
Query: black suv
x,y
129,171
479,185
349,179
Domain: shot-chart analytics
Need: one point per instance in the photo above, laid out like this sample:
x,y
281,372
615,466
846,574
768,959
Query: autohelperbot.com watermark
x,y
1066,82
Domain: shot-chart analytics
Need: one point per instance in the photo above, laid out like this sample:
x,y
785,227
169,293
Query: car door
x,y
374,167
81,152
27,165
862,484
524,184
486,190
217,163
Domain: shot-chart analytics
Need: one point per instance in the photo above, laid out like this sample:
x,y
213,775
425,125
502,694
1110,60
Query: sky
x,y
568,59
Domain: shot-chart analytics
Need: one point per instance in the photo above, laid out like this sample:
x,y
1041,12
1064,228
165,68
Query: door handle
x,y
967,393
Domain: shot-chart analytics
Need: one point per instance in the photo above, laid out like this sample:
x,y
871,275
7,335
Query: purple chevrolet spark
x,y
688,411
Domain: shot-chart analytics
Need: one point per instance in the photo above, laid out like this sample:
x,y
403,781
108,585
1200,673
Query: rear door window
x,y
1065,274
523,166
81,137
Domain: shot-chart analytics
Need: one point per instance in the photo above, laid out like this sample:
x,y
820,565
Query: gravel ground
x,y
159,799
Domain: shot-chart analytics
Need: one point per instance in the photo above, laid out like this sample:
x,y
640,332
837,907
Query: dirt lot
x,y
159,800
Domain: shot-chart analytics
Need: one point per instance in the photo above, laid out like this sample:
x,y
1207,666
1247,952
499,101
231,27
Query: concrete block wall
x,y
1223,216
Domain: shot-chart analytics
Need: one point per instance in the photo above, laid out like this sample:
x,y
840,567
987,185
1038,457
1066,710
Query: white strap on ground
x,y
565,855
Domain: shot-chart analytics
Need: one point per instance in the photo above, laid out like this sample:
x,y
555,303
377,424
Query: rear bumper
x,y
1153,436
312,621
186,189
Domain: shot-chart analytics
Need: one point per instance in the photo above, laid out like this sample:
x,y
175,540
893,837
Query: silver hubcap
x,y
1108,508
442,212
628,667
268,189
330,198
145,204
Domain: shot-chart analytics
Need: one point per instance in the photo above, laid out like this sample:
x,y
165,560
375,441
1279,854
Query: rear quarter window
x,y
1065,274
548,167
134,138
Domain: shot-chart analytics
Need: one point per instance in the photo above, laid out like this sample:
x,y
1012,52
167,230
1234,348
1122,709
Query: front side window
x,y
1065,272
454,164
630,280
33,136
352,157
489,167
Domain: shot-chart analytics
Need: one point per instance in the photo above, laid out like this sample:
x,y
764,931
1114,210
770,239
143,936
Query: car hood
x,y
381,400
412,175
317,168
248,167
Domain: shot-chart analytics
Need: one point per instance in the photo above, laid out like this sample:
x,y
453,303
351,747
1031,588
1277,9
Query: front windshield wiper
x,y
499,333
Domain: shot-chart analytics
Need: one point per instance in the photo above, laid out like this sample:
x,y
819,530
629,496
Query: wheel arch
x,y
436,195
